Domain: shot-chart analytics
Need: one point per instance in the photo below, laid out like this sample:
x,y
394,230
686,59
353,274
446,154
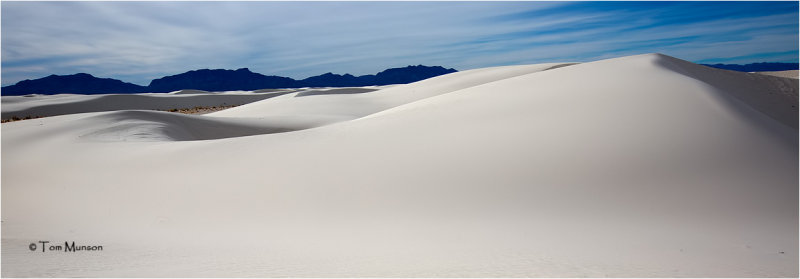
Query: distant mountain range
x,y
217,80
757,67
244,79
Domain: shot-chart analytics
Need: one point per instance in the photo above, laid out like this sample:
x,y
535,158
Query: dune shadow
x,y
137,125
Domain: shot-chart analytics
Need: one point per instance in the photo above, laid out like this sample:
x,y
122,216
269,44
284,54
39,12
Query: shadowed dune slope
x,y
164,126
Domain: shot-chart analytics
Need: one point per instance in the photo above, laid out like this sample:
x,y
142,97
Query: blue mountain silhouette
x,y
756,67
220,80
77,83
216,80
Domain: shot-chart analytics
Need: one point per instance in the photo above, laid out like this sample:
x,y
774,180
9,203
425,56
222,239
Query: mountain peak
x,y
81,83
219,80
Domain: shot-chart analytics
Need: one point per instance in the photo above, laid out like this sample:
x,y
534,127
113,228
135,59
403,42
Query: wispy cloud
x,y
138,41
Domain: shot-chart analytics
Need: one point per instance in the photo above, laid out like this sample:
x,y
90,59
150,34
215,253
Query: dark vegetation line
x,y
193,110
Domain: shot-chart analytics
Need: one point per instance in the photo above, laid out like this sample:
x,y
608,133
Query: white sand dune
x,y
303,104
329,106
640,166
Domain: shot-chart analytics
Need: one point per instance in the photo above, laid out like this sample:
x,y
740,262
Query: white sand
x,y
641,166
795,74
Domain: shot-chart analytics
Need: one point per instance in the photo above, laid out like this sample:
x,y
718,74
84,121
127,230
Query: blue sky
x,y
139,41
